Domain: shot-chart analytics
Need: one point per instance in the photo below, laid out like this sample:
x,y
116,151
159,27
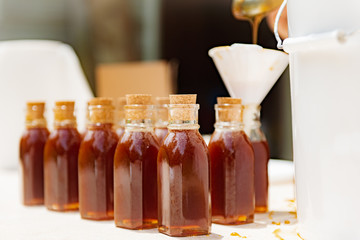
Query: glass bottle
x,y
120,116
135,167
183,173
161,117
96,160
262,155
232,166
61,160
31,154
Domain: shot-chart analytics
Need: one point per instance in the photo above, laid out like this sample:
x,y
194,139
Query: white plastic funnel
x,y
248,70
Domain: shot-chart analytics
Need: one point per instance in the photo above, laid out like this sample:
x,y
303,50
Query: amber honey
x,y
232,178
261,151
32,166
61,160
135,179
32,154
135,167
96,156
232,166
183,173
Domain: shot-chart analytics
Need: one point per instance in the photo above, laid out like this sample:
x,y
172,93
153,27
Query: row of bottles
x,y
143,178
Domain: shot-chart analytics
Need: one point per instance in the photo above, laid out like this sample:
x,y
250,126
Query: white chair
x,y
36,70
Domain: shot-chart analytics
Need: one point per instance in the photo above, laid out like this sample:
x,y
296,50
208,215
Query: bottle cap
x,y
101,110
229,109
183,107
64,110
138,107
35,110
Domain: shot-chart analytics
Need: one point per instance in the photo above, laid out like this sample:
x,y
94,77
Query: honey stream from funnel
x,y
253,11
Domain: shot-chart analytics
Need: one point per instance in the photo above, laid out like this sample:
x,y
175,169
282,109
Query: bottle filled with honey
x,y
61,160
135,167
120,116
96,160
232,166
183,173
161,117
262,156
32,154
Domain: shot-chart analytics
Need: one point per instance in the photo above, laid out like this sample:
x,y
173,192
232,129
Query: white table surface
x,y
18,222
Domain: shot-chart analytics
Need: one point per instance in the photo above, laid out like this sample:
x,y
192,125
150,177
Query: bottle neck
x,y
229,116
139,117
36,123
183,116
66,123
99,115
139,125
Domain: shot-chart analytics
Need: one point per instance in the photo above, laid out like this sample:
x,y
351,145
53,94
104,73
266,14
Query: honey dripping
x,y
31,154
262,155
161,117
183,173
61,160
96,157
232,166
135,167
120,116
254,12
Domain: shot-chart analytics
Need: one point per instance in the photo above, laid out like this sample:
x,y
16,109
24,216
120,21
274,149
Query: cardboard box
x,y
154,77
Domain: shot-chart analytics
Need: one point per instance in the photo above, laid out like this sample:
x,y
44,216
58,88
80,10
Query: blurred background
x,y
179,31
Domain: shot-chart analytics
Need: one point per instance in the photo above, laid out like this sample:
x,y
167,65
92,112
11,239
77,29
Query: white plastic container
x,y
318,16
325,92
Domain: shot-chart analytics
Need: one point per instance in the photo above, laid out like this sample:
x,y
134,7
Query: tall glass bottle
x,y
120,116
61,160
135,167
232,166
262,155
161,117
31,154
96,160
183,173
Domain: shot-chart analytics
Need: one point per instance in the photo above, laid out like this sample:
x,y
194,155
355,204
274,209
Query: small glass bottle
x,y
262,155
61,160
135,167
183,173
232,166
31,154
96,161
161,117
120,116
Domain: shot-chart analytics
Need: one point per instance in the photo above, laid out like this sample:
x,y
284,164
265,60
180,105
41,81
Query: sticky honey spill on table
x,y
298,234
271,214
235,234
276,233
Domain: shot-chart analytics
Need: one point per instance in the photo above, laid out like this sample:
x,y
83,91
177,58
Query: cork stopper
x,y
228,100
138,107
64,110
229,109
183,107
101,110
35,110
138,99
182,98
